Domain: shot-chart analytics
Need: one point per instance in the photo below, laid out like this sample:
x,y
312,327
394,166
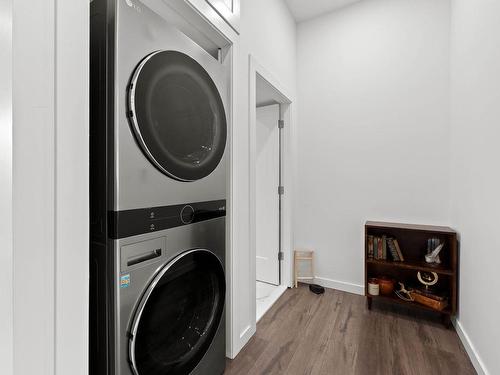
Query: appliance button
x,y
187,214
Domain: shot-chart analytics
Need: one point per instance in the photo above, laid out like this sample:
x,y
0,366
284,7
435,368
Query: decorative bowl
x,y
386,285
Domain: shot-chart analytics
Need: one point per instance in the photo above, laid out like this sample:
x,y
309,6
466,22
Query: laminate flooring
x,y
335,333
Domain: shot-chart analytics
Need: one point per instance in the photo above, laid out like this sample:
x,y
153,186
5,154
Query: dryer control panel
x,y
145,220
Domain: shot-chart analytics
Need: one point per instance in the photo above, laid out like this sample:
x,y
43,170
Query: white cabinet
x,y
229,10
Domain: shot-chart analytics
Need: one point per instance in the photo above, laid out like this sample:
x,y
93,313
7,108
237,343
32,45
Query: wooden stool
x,y
303,256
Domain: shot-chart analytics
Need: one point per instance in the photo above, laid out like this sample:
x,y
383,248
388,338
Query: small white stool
x,y
303,256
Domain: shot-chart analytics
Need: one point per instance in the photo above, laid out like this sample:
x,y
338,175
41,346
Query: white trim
x,y
232,221
245,332
6,254
71,190
212,16
340,285
231,15
244,336
470,349
286,107
271,300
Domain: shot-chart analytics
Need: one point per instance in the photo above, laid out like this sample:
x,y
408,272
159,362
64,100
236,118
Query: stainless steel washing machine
x,y
170,291
158,132
157,299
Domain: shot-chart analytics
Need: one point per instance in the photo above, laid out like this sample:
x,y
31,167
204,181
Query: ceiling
x,y
304,10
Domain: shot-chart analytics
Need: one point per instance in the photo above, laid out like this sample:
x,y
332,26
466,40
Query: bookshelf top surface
x,y
417,227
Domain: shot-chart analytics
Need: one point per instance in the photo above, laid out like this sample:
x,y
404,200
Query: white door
x,y
267,199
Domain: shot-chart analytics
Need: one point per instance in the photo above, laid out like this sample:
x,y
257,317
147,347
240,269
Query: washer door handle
x,y
143,257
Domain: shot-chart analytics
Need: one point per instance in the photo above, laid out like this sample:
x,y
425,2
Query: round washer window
x,y
177,115
178,315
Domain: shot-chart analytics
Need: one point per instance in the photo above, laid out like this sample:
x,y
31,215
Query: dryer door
x,y
177,115
178,315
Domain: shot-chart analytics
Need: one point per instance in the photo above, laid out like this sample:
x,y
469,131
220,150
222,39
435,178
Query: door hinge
x,y
281,255
281,190
281,124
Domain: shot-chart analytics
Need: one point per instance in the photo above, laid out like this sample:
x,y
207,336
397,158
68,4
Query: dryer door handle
x,y
143,257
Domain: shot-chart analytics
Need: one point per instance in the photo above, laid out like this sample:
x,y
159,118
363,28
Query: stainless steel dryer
x,y
166,109
158,131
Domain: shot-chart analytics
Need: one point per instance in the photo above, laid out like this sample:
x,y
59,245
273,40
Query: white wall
x,y
50,187
268,33
475,177
33,187
373,142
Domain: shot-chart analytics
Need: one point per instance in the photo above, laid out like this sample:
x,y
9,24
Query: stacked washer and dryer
x,y
158,197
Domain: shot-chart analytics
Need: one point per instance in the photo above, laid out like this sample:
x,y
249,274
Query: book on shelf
x,y
384,248
428,301
398,249
379,248
370,247
429,294
392,250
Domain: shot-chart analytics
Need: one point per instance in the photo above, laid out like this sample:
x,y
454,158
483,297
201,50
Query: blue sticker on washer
x,y
125,281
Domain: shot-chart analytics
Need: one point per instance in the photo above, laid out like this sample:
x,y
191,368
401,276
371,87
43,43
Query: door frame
x,y
6,177
286,109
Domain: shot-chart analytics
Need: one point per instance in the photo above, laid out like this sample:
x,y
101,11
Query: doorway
x,y
267,204
267,210
270,188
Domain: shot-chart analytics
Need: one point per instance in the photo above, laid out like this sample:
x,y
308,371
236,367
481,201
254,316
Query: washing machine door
x,y
177,115
178,315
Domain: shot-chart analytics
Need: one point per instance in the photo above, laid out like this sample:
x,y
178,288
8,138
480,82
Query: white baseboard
x,y
340,285
275,295
245,333
244,336
469,348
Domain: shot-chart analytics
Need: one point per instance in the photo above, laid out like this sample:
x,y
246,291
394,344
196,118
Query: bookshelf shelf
x,y
394,299
412,241
418,266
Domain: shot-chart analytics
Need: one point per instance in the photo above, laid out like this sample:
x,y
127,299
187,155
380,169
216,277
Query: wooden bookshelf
x,y
412,240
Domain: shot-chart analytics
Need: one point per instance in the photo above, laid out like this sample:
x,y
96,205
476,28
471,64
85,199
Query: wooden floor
x,y
334,333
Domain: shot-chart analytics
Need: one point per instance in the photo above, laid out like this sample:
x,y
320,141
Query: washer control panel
x,y
145,220
187,214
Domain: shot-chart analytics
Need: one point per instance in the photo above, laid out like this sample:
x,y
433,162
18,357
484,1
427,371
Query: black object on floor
x,y
316,289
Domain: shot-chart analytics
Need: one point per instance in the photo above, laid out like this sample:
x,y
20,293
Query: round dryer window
x,y
177,115
178,315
